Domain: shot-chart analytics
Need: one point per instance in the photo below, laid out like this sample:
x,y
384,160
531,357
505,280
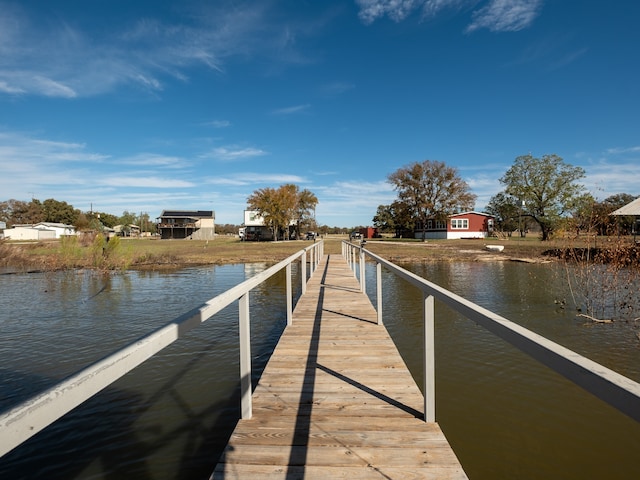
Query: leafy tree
x,y
547,185
56,211
508,213
106,219
282,206
305,210
394,218
16,212
431,190
583,214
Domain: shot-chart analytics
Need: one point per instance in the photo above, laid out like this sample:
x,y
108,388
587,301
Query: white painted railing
x,y
25,420
609,386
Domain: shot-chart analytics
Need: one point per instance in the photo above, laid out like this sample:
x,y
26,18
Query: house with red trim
x,y
461,225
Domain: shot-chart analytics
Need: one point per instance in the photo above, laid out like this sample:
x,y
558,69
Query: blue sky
x,y
148,105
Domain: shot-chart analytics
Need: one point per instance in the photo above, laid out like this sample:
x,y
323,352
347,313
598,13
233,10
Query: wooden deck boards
x,y
336,400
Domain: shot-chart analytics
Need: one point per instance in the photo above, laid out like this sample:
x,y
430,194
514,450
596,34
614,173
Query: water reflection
x,y
167,419
505,415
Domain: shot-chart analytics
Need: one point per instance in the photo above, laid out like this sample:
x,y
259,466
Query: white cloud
x,y
252,178
505,15
397,10
613,172
292,110
495,15
233,153
138,180
219,123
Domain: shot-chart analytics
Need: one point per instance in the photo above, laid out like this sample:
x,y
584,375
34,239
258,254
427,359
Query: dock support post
x,y
303,272
245,356
363,286
429,360
289,295
379,291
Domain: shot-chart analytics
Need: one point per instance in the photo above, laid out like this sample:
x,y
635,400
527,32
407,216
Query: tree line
x,y
17,212
537,191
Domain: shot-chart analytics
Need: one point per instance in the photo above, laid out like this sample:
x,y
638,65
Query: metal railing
x,y
607,385
20,423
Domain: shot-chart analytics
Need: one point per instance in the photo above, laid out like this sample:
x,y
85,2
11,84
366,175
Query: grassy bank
x,y
153,254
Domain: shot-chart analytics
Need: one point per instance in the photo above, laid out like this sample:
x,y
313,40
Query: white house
x,y
254,228
39,231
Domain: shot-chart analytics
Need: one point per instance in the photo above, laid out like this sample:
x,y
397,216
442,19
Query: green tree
x,y
394,218
508,214
17,212
548,187
56,211
431,190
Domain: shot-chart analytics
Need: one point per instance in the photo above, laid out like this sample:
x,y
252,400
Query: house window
x,y
441,225
429,224
460,223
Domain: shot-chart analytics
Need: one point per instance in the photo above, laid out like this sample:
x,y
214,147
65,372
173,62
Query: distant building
x,y
460,225
254,228
130,230
39,231
187,224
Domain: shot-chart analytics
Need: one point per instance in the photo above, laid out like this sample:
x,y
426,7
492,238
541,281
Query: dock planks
x,y
336,399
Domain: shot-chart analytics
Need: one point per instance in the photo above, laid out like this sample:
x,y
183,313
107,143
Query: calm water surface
x,y
506,416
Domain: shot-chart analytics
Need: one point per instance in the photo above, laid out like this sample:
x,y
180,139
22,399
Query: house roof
x,y
471,212
632,208
187,213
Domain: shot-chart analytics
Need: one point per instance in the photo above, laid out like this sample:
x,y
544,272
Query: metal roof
x,y
188,213
632,208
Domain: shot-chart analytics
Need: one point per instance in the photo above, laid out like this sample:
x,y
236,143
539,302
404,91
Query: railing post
x,y
303,271
245,356
363,286
289,295
379,291
429,360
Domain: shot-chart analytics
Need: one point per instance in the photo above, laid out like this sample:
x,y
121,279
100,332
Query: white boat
x,y
494,248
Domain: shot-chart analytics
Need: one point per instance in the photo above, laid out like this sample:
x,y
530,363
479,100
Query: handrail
x,y
606,384
20,423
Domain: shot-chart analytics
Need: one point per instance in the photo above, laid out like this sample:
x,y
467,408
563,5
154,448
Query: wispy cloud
x,y
506,15
258,179
292,110
610,172
154,160
336,88
138,180
234,153
61,59
219,123
495,15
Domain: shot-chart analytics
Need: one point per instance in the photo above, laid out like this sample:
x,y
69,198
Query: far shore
x,y
154,254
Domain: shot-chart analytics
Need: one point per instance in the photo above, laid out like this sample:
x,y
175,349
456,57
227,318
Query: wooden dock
x,y
336,399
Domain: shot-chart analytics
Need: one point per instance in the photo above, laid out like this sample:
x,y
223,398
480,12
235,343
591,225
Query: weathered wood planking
x,y
336,400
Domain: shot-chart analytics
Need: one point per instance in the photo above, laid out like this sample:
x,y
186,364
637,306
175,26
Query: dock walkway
x,y
336,399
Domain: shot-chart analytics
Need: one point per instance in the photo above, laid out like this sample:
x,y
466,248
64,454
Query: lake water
x,y
505,416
